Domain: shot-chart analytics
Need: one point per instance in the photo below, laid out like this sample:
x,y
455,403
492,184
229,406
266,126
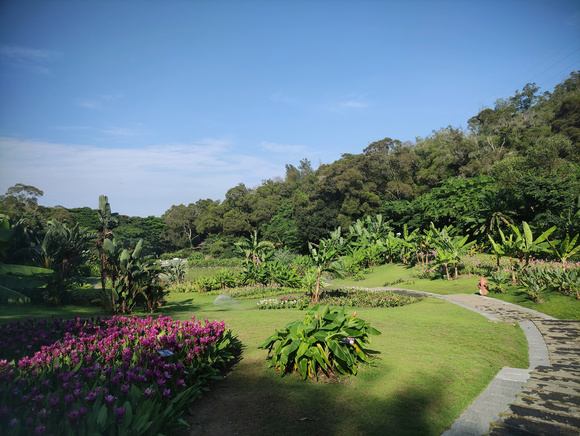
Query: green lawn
x,y
554,304
392,275
434,358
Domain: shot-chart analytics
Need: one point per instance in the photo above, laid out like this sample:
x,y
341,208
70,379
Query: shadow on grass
x,y
179,307
252,401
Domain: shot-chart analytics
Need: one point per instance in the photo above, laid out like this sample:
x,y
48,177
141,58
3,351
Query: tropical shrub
x,y
499,281
184,253
428,271
534,282
175,271
118,376
565,281
327,341
224,279
284,274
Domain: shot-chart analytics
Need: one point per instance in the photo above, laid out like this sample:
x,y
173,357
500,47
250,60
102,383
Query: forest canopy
x,y
518,161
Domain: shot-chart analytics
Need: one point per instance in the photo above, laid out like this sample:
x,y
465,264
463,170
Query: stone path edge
x,y
502,390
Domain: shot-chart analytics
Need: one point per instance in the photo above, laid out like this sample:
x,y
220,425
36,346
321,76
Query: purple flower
x,y
73,416
148,393
110,400
91,397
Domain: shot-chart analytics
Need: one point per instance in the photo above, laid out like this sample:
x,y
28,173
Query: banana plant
x,y
506,247
256,251
408,244
391,246
107,222
450,249
566,248
111,254
526,245
324,258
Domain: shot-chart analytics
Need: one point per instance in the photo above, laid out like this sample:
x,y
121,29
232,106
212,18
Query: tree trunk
x,y
317,289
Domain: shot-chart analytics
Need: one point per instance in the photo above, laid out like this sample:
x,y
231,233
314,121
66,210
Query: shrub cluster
x,y
283,303
358,297
202,262
251,292
121,376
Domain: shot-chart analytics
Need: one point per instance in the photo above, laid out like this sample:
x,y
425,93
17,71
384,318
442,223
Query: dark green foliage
x,y
326,341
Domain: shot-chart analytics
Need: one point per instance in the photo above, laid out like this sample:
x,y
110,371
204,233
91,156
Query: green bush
x,y
326,341
194,261
283,303
499,281
565,281
252,292
364,298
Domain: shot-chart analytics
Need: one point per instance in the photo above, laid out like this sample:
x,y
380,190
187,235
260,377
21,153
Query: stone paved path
x,y
549,403
541,401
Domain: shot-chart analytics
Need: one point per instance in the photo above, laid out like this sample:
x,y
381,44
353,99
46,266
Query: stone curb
x,y
502,390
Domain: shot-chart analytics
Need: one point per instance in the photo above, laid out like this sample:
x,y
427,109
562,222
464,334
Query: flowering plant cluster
x,y
360,297
282,303
115,376
251,292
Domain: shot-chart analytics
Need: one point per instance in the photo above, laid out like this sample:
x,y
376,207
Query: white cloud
x,y
30,59
97,102
344,105
281,148
24,53
121,131
142,182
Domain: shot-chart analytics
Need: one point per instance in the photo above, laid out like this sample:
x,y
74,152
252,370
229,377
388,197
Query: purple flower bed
x,y
117,376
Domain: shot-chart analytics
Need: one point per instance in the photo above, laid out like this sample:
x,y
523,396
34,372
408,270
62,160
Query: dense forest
x,y
518,161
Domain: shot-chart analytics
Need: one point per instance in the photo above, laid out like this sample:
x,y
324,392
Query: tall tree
x,y
181,225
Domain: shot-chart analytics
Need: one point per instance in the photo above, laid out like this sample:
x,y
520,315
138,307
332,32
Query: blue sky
x,y
156,103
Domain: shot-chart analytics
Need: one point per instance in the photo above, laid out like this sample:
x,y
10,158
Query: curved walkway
x,y
541,400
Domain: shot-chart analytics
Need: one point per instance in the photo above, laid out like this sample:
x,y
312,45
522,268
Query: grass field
x,y
554,304
433,359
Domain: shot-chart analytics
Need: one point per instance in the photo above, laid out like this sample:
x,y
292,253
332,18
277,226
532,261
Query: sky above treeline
x,y
159,103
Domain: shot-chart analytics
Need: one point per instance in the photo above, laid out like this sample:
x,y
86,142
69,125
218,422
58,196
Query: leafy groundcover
x,y
107,376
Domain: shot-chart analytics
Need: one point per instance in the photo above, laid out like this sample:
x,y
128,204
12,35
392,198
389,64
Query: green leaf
x,y
102,417
128,415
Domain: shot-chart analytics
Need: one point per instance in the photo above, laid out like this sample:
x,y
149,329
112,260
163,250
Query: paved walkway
x,y
543,400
